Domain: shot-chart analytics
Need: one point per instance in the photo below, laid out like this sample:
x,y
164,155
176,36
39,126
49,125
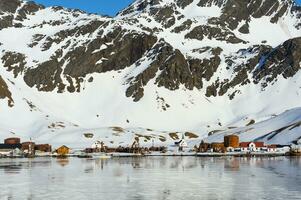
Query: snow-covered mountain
x,y
160,66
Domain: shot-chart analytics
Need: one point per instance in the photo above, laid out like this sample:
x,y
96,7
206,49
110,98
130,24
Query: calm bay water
x,y
151,178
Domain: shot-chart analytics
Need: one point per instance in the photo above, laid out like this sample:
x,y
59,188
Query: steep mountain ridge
x,y
166,65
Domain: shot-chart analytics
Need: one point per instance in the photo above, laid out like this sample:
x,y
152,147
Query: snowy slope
x,y
71,73
282,129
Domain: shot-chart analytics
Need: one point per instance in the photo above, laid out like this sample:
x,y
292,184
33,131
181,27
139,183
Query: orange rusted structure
x,y
43,147
203,147
12,141
28,145
231,141
218,147
28,148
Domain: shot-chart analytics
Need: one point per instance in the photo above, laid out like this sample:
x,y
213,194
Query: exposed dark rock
x,y
200,32
6,21
157,54
240,78
171,68
28,9
78,31
283,60
123,53
46,77
241,71
175,70
9,5
244,28
234,12
207,3
279,14
142,5
5,93
36,39
14,62
205,69
90,80
164,15
183,3
184,26
211,90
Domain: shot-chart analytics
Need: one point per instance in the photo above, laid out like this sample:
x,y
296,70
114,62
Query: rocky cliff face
x,y
5,93
151,53
82,44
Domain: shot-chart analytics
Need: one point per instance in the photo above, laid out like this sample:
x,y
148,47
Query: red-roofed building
x,y
271,148
251,146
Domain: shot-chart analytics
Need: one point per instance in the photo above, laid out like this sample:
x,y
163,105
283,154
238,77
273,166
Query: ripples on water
x,y
150,178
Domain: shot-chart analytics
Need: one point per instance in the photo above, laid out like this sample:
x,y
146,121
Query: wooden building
x,y
63,150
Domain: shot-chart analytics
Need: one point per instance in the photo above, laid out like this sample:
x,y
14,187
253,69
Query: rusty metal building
x,y
12,141
43,147
231,141
28,147
218,147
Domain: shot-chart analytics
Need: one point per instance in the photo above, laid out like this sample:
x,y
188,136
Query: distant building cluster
x,y
100,146
13,147
232,144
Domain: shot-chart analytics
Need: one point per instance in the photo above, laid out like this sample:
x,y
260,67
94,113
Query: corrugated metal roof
x,y
10,146
246,144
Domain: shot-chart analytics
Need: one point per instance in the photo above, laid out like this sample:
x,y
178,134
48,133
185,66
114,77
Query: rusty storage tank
x,y
12,141
231,141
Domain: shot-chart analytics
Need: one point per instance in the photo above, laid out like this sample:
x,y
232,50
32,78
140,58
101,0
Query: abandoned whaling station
x,y
12,147
231,146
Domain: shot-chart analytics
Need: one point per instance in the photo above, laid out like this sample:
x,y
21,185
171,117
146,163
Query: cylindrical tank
x,y
12,141
231,141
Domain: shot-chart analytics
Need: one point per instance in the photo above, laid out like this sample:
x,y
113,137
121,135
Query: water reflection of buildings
x,y
232,164
62,161
92,165
182,163
295,161
12,168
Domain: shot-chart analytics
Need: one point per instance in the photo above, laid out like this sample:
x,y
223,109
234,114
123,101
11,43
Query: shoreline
x,y
184,154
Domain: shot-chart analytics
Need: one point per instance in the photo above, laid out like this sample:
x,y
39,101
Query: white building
x,y
97,145
251,146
